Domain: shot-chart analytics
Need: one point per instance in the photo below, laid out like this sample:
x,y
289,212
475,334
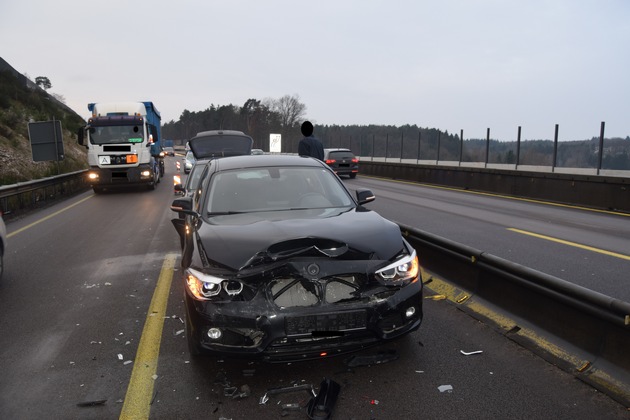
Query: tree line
x,y
260,118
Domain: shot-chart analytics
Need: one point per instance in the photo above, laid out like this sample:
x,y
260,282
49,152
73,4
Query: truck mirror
x,y
80,135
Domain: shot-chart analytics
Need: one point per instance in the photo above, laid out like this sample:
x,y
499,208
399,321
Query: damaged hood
x,y
236,240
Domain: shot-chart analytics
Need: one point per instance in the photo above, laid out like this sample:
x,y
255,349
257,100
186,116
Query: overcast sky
x,y
447,64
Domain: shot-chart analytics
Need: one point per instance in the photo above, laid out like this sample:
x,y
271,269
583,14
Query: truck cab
x,y
120,138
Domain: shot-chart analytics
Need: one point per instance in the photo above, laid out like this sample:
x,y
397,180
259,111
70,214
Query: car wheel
x,y
97,190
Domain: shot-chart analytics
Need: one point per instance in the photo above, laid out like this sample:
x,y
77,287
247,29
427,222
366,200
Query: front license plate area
x,y
342,321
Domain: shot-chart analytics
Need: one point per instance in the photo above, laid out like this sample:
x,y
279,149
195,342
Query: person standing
x,y
310,145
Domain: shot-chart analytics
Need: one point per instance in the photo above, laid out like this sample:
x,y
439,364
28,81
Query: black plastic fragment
x,y
321,406
91,403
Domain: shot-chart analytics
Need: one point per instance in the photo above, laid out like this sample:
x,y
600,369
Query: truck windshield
x,y
116,134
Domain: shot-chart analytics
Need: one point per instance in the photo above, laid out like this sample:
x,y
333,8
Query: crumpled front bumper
x,y
260,329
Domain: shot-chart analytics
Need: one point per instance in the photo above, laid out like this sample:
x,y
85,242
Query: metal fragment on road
x,y
436,297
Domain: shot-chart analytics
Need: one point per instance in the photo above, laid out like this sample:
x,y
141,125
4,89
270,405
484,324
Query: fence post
x,y
437,161
487,146
419,143
601,147
555,150
518,147
461,146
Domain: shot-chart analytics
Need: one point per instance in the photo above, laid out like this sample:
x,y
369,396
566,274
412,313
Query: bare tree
x,y
290,109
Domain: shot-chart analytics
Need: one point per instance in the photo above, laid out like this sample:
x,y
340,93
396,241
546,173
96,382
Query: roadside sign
x,y
46,140
275,143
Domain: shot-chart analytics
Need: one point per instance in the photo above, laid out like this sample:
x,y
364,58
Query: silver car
x,y
189,161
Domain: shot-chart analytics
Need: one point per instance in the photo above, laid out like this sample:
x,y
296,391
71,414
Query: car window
x,y
275,188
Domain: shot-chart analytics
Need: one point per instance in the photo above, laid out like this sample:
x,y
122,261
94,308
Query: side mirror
x,y
364,196
183,205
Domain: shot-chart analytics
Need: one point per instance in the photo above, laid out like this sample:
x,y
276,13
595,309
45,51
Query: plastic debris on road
x,y
470,353
445,388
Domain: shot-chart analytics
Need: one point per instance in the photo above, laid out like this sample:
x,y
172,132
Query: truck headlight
x,y
92,176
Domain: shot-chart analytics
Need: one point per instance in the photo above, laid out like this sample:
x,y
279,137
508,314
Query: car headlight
x,y
204,286
403,270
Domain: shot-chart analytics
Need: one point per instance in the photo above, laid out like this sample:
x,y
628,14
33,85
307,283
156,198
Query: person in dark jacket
x,y
310,145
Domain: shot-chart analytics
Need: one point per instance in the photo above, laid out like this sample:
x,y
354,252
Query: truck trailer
x,y
120,138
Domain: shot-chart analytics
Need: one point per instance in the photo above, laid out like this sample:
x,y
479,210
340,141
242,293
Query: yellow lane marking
x,y
43,219
576,245
137,403
508,197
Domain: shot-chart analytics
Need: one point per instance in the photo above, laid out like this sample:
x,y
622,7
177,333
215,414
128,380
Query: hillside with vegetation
x,y
19,105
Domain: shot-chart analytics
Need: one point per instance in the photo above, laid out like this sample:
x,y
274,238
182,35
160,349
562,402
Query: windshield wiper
x,y
224,213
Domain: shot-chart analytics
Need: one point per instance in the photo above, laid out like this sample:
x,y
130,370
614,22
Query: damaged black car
x,y
281,263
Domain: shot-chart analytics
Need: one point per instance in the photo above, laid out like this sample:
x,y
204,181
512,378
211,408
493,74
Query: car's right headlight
x,y
404,270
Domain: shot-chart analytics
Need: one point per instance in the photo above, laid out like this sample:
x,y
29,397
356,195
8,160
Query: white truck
x,y
123,143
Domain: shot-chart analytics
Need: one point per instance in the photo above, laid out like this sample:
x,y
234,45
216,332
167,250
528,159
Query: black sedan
x,y
281,263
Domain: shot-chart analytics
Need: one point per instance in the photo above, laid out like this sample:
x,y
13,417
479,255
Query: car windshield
x,y
275,188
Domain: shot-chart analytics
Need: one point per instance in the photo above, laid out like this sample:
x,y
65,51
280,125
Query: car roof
x,y
261,161
337,149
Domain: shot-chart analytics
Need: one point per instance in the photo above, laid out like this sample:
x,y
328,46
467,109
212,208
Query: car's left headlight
x,y
404,270
205,286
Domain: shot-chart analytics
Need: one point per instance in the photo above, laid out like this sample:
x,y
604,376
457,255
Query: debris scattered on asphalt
x,y
179,332
91,403
120,356
446,388
295,388
374,359
436,297
470,353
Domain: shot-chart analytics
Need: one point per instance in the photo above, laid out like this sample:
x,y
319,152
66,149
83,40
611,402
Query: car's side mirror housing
x,y
183,205
179,188
364,196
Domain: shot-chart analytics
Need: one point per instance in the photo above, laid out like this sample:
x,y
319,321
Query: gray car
x,y
342,161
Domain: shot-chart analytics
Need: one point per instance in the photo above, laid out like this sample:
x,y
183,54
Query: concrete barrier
x,y
583,332
595,191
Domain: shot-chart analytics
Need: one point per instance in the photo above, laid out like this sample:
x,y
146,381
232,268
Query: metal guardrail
x,y
24,196
585,332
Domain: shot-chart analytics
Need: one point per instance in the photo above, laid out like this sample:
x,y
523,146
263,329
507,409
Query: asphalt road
x,y
80,289
585,247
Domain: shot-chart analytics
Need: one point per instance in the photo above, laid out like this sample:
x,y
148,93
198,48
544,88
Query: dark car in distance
x,y
342,161
281,263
